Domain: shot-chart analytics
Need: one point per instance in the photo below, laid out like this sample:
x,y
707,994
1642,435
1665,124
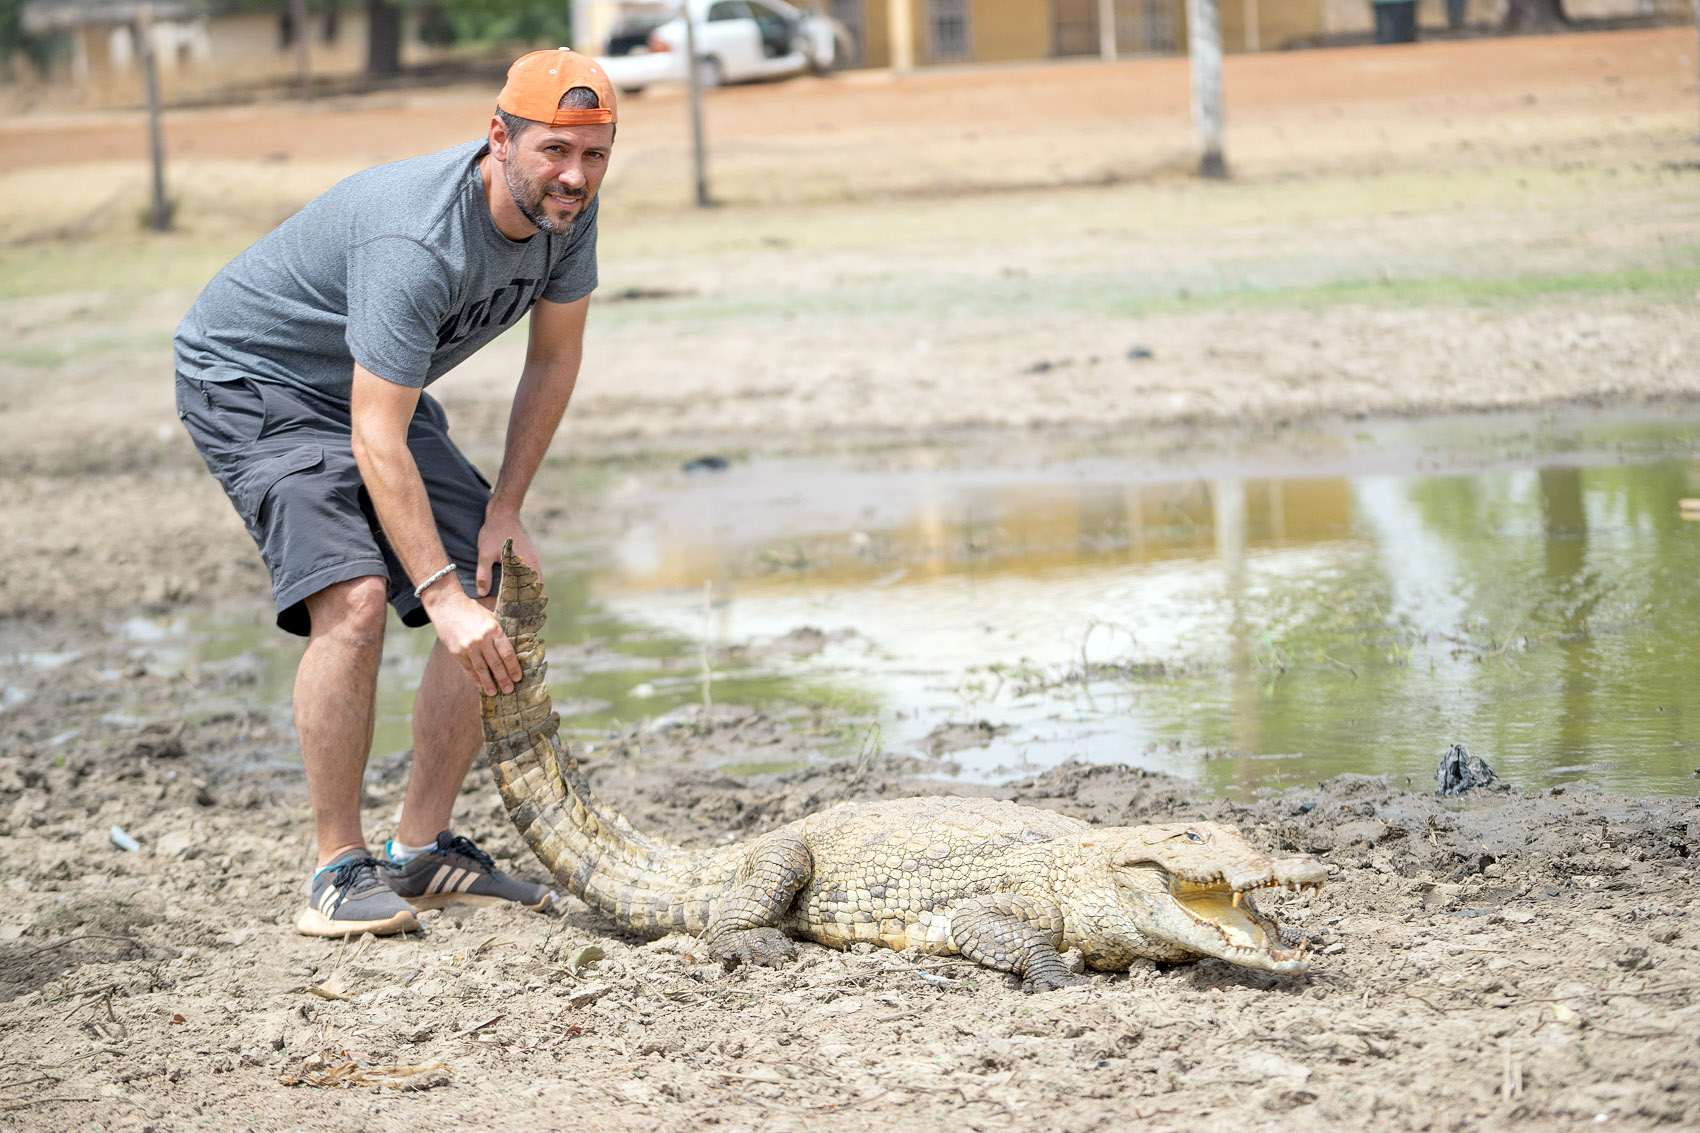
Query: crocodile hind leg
x,y
743,929
1014,934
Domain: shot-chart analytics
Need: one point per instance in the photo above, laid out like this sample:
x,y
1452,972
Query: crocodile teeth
x,y
1237,896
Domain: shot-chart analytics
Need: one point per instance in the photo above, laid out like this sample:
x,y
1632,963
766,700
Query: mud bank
x,y
1511,959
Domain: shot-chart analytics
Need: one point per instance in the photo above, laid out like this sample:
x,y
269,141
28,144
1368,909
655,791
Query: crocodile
x,y
1011,887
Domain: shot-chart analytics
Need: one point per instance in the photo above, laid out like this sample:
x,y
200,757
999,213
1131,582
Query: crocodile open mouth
x,y
1245,930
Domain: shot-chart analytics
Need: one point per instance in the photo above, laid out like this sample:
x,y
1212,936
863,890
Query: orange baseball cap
x,y
537,81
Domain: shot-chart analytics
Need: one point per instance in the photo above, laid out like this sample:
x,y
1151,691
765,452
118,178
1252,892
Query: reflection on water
x,y
1243,630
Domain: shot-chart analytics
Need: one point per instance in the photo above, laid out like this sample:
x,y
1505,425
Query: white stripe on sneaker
x,y
436,885
466,882
452,885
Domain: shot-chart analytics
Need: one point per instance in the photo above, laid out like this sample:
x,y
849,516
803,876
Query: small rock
x,y
1635,958
1140,354
1518,916
579,1000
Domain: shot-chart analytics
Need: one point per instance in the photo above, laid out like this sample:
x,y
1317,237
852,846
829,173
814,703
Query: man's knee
x,y
352,610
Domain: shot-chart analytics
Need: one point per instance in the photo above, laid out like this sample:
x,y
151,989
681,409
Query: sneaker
x,y
348,897
455,871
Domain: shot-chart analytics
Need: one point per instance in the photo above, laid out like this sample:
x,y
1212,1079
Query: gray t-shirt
x,y
399,268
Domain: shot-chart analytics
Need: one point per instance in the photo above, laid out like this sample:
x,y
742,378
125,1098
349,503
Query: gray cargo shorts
x,y
284,458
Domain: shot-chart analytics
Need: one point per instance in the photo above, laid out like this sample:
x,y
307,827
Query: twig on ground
x,y
1342,664
1511,1079
85,1054
1506,644
40,1101
830,1106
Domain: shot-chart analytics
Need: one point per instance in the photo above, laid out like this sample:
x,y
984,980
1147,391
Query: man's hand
x,y
501,525
474,637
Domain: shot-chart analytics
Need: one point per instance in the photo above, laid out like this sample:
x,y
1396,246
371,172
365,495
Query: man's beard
x,y
529,200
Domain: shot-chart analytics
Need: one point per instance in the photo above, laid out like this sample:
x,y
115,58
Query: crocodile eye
x,y
1193,836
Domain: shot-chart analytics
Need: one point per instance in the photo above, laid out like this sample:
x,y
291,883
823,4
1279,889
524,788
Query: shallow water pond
x,y
1257,620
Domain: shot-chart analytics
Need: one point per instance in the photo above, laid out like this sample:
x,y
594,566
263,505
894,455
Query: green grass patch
x,y
155,263
1658,283
39,359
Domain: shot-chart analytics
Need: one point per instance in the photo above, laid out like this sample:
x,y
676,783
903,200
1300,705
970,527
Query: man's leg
x,y
446,735
335,688
427,863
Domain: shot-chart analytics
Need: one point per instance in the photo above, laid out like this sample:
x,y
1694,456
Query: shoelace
x,y
352,875
464,846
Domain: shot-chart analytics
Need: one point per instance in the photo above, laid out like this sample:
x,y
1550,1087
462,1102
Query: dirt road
x,y
1011,256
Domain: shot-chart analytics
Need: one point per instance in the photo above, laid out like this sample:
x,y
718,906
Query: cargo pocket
x,y
222,417
259,482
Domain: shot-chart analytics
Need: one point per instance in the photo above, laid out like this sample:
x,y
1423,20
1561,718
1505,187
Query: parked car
x,y
631,35
737,41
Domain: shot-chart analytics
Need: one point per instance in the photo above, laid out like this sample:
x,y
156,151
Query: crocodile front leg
x,y
743,928
1014,934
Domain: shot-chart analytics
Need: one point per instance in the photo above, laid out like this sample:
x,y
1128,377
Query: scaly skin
x,y
1007,886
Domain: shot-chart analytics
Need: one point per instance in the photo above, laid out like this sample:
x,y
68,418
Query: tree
x,y
474,23
1535,15
40,50
383,38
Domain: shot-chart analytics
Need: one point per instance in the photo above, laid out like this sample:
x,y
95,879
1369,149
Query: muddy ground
x,y
1516,959
1454,227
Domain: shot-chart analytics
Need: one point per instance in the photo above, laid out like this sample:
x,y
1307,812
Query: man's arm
x,y
551,369
381,411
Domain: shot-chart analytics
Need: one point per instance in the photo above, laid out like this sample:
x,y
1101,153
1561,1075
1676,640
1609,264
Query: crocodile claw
x,y
1052,981
756,947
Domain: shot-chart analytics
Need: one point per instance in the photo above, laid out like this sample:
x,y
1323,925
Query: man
x,y
300,372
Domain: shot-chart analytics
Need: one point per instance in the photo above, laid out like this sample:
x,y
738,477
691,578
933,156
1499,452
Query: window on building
x,y
1148,27
947,30
1143,27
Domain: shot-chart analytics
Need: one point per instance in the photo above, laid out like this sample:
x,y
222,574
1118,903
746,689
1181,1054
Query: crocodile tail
x,y
587,845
